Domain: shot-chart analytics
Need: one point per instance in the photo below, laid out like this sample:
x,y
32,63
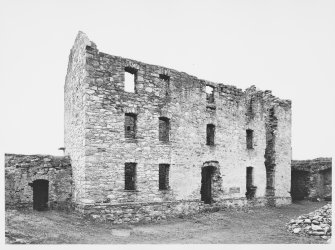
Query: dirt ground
x,y
256,225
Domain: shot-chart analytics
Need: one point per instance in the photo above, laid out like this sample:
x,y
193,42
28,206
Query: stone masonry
x,y
311,179
23,171
204,140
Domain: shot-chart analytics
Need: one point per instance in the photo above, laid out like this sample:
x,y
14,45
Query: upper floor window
x,y
130,76
164,128
250,135
130,125
166,80
210,134
209,94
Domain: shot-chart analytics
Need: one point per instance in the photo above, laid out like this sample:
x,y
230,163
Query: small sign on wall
x,y
234,190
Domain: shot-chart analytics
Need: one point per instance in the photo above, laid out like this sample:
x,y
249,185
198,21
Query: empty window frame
x,y
210,134
249,138
164,129
250,110
130,77
130,125
130,176
166,80
209,94
164,170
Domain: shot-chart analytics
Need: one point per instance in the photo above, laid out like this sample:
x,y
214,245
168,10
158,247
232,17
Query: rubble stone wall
x,y
311,178
74,113
104,150
22,170
155,211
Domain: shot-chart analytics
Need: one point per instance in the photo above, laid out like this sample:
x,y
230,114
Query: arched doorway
x,y
206,184
40,194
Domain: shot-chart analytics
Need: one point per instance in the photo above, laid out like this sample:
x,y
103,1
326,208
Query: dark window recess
x,y
166,82
250,135
130,125
164,128
209,94
250,111
210,134
130,176
130,78
164,176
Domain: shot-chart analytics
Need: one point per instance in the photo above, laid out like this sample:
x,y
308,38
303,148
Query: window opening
x,y
209,94
130,125
130,76
250,138
210,134
164,128
164,176
130,176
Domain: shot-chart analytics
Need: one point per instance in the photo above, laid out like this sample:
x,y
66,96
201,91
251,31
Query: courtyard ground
x,y
256,225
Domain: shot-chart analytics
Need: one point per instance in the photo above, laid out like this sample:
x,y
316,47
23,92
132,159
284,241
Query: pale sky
x,y
287,46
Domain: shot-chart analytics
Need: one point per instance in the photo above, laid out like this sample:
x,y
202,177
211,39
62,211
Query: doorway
x,y
206,184
40,195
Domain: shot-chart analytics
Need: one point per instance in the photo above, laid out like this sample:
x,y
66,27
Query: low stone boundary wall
x,y
156,211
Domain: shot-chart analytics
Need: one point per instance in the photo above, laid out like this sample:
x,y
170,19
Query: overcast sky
x,y
287,46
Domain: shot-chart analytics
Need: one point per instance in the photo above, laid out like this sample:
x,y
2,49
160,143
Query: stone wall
x,y
74,113
156,211
311,179
22,170
95,134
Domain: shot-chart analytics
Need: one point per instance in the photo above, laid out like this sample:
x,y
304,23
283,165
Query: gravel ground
x,y
256,225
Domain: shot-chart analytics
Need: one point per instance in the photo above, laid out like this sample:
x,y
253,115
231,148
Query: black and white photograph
x,y
169,123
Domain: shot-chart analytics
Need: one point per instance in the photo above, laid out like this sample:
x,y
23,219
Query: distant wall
x,y
311,179
22,170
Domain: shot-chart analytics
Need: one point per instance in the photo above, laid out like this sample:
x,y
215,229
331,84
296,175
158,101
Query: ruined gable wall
x,y
22,170
107,150
74,112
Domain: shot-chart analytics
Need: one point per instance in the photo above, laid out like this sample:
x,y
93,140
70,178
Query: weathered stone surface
x,y
22,170
312,179
96,104
95,108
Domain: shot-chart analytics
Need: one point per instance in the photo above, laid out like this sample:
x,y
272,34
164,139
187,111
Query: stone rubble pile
x,y
317,223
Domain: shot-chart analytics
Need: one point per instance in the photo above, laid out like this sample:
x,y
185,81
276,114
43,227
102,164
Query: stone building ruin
x,y
311,179
168,143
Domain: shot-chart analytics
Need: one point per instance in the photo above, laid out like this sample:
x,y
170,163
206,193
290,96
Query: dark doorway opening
x,y
206,184
251,189
299,184
40,195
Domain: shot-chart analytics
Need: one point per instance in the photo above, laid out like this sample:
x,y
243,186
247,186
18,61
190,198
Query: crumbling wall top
x,y
29,161
317,164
